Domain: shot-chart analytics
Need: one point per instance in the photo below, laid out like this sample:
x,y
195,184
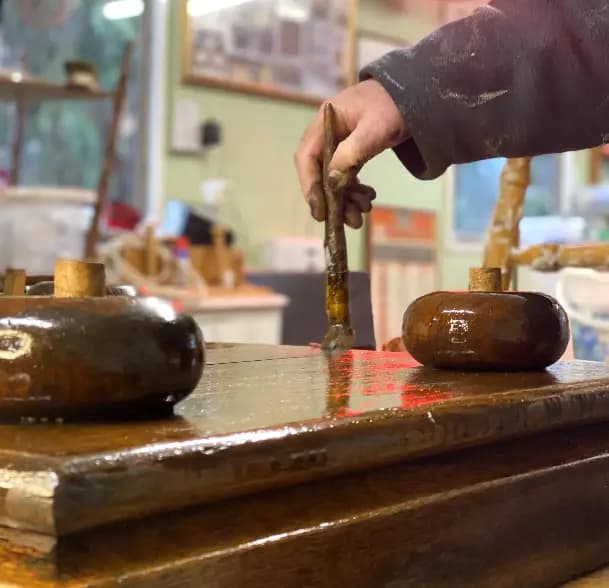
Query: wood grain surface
x,y
528,513
265,417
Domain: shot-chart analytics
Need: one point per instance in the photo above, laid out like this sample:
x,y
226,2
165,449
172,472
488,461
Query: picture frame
x,y
296,50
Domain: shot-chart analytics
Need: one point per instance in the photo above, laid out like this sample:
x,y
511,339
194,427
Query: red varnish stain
x,y
346,412
388,359
416,396
374,373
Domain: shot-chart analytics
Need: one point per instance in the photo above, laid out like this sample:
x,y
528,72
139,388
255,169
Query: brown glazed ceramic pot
x,y
99,357
47,288
507,331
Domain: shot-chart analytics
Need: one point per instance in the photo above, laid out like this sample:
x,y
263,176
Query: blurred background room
x,y
158,136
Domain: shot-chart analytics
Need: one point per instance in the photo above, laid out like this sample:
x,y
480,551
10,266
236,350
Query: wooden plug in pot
x,y
84,354
486,328
14,282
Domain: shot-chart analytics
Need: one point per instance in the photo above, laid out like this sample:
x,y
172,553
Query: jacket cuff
x,y
419,153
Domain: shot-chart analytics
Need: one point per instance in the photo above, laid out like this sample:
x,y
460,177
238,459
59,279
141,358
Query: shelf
x,y
13,87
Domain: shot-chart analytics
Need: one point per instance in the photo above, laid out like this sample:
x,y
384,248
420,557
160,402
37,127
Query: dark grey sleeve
x,y
516,78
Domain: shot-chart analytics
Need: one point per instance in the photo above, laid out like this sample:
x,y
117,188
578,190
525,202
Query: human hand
x,y
367,122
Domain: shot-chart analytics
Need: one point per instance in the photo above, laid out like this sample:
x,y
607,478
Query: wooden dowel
x,y
14,282
485,279
504,232
553,257
78,279
152,268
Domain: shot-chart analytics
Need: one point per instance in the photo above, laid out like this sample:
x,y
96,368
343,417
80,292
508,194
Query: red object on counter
x,y
182,242
122,216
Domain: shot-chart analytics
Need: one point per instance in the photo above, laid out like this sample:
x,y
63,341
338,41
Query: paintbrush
x,y
340,334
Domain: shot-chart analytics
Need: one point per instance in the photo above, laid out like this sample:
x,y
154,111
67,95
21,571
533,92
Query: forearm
x,y
517,78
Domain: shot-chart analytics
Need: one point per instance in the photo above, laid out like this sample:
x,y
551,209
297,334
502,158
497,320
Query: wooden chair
x,y
502,247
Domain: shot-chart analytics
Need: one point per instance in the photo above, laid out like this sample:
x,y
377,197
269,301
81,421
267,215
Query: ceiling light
x,y
291,10
203,7
119,9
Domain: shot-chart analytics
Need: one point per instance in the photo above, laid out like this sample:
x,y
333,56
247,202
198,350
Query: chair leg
x,y
504,233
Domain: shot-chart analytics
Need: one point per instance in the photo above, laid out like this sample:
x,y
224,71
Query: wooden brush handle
x,y
335,242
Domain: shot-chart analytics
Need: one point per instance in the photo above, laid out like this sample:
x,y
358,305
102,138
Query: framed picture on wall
x,y
402,261
371,46
300,50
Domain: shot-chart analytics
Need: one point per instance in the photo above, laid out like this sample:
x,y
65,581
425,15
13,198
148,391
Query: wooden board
x,y
266,417
36,90
527,513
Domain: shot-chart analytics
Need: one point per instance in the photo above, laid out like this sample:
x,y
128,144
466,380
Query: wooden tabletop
x,y
265,417
525,513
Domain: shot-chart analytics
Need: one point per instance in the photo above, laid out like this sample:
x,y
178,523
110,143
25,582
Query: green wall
x,y
260,136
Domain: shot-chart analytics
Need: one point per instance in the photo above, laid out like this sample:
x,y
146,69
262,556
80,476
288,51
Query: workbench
x,y
289,469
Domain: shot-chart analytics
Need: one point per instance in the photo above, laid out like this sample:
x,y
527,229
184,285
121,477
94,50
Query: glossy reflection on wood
x,y
486,330
47,288
102,357
508,515
266,417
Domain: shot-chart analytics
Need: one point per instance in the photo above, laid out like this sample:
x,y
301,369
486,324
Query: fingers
x,y
317,202
346,163
363,195
358,147
353,215
308,160
359,201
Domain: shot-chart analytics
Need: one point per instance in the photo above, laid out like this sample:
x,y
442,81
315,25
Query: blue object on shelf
x,y
174,218
588,344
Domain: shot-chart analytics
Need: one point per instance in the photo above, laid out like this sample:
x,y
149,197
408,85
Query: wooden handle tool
x,y
340,335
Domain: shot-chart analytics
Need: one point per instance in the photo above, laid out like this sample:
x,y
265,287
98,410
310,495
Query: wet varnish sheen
x,y
506,331
80,358
266,417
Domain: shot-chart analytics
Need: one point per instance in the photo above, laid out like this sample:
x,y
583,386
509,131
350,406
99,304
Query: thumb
x,y
360,146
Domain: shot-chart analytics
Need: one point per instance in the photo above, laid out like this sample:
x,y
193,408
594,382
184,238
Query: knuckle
x,y
358,157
